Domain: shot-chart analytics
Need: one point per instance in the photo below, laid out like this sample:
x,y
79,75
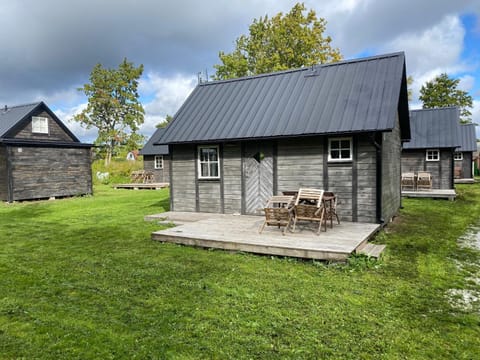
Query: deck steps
x,y
372,250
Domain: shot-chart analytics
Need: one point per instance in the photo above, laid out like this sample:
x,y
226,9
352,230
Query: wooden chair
x,y
137,176
424,181
330,202
408,181
309,206
278,212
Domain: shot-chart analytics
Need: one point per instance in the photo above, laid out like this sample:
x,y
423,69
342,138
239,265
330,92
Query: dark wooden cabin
x,y
39,156
463,156
156,158
435,136
337,127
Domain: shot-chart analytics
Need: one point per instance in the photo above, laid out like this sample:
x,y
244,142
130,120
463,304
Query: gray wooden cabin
x,y
156,158
337,127
435,136
39,156
463,156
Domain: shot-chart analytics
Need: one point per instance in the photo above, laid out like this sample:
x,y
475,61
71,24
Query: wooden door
x,y
258,175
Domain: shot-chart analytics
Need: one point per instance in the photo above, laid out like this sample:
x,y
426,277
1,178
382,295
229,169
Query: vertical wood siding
x,y
55,132
3,174
160,175
183,177
442,175
42,172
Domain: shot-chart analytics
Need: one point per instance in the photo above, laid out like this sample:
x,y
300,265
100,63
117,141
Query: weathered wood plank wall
x,y
232,178
3,174
55,132
43,172
442,170
391,172
160,175
464,166
183,178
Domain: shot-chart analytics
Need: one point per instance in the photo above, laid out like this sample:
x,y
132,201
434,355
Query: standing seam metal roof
x,y
14,116
468,138
434,128
150,149
344,97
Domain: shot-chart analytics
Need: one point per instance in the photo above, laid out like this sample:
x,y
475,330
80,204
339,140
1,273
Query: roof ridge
x,y
305,68
23,105
437,108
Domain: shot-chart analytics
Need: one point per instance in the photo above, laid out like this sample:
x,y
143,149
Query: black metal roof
x,y
468,138
13,118
434,128
151,149
349,96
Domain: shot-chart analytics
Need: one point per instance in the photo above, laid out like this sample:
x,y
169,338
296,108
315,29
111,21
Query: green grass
x,y
80,278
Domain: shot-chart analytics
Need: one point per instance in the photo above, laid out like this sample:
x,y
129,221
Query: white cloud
x,y
66,113
167,93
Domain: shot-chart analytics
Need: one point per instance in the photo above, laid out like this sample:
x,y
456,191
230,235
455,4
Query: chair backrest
x,y
408,175
309,195
423,175
279,200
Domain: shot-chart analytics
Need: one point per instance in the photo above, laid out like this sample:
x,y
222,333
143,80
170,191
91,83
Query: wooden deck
x,y
148,186
449,194
464,181
240,233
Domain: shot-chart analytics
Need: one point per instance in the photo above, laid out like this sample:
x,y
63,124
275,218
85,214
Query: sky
x,y
49,47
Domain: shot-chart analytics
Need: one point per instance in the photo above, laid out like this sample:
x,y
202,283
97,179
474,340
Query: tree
x,y
442,91
164,123
283,42
113,106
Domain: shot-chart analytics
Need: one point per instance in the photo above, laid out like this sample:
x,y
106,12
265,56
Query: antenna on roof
x,y
200,77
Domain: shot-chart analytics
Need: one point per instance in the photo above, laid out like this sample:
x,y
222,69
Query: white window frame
x,y
39,125
429,155
458,156
208,161
158,162
340,159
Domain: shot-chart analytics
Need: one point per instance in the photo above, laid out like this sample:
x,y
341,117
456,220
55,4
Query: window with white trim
x,y
457,155
39,124
340,149
158,162
208,167
433,155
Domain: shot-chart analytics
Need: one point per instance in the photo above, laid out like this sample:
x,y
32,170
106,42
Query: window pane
x,y
345,154
204,169
213,169
335,144
345,144
203,154
335,154
213,154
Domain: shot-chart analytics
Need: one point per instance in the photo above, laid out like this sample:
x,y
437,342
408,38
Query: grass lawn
x,y
80,278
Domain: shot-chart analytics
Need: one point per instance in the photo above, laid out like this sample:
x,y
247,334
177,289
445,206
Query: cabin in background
x,y
435,136
39,156
463,156
156,159
338,127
